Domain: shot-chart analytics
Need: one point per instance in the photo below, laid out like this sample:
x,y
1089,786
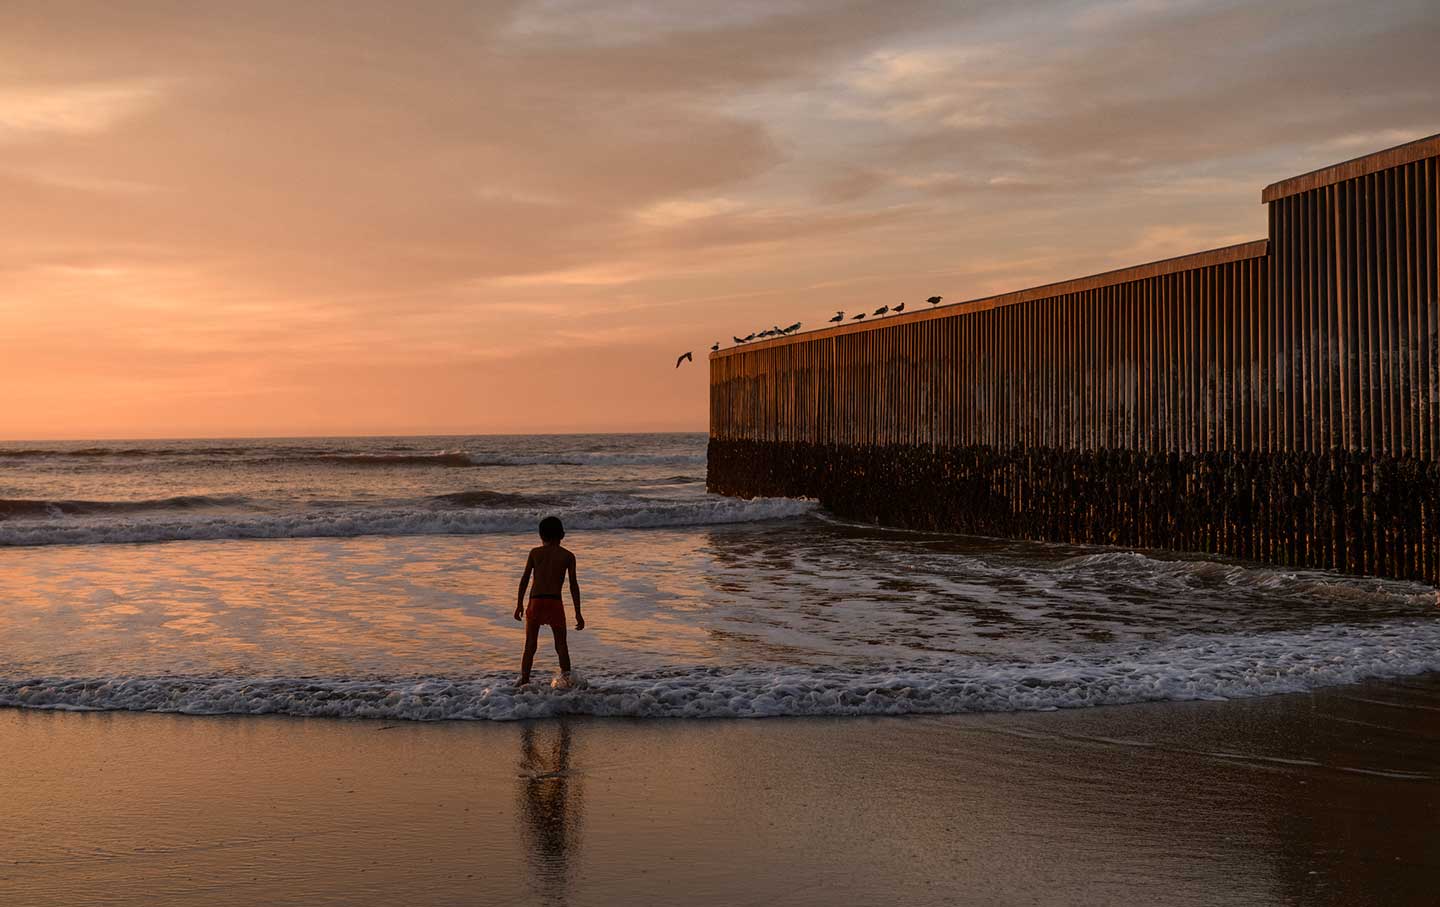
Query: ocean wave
x,y
1187,668
579,458
24,507
34,452
397,455
494,499
1192,573
454,458
633,514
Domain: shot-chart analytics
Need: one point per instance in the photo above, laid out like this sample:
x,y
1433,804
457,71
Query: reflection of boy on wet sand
x,y
552,805
549,563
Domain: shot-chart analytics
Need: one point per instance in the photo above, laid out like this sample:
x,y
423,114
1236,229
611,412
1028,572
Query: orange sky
x,y
226,219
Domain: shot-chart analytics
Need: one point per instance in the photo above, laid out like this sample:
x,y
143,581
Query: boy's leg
x,y
532,642
562,649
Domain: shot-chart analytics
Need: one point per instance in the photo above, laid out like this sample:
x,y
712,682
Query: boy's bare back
x,y
550,563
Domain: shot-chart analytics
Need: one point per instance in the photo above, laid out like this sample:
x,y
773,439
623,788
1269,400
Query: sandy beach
x,y
1322,798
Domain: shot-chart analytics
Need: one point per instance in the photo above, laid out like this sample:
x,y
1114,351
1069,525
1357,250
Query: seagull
x,y
684,357
716,347
839,316
751,337
792,328
860,317
933,300
899,308
880,312
739,340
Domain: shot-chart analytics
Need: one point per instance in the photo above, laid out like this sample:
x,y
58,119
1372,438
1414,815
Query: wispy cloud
x,y
77,109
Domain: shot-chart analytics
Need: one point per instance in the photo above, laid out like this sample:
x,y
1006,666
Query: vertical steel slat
x,y
1364,315
1430,302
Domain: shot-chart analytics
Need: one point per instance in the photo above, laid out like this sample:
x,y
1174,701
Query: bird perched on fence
x,y
860,317
880,312
934,300
792,328
739,340
839,316
684,357
751,337
715,347
899,308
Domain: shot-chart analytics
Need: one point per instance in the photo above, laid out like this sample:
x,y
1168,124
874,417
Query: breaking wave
x,y
1186,668
440,458
494,499
466,519
576,458
398,455
22,507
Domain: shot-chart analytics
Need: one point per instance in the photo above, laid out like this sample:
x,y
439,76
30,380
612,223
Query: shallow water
x,y
697,606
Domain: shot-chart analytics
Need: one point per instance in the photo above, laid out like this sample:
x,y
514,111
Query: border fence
x,y
1277,400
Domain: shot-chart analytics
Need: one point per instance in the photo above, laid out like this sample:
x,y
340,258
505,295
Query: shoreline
x,y
1324,797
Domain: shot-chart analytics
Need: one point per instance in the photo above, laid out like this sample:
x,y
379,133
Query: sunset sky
x,y
230,219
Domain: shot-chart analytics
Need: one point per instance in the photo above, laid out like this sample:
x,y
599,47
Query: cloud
x,y
74,110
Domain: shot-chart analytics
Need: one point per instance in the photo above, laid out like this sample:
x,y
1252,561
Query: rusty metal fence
x,y
1287,390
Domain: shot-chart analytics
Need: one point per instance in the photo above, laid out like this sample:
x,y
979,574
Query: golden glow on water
x,y
762,595
352,606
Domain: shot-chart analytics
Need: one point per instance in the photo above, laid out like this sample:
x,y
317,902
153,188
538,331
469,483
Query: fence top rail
x,y
1195,260
1400,155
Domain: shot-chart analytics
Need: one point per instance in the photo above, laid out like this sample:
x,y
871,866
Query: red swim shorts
x,y
546,611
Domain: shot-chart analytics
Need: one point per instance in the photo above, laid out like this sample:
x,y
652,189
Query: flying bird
x,y
934,300
899,308
880,312
684,357
839,316
860,317
716,347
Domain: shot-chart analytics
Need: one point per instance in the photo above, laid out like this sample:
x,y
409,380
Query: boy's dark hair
x,y
551,529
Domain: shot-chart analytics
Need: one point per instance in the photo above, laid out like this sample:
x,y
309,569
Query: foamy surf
x,y
1193,667
357,521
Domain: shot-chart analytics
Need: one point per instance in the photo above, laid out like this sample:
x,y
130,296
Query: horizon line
x,y
357,437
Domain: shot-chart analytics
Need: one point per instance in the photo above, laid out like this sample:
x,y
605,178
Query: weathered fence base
x,y
1341,510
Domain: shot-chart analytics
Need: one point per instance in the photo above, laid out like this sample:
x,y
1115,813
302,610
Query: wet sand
x,y
1325,798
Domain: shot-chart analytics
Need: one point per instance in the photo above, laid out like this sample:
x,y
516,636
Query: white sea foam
x,y
587,458
621,514
1194,667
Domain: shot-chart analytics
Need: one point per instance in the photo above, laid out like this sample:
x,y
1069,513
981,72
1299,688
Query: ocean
x,y
375,578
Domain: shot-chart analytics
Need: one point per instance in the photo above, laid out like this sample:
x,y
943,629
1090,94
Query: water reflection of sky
x,y
805,592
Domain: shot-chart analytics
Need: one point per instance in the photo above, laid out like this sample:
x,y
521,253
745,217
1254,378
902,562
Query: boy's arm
x,y
524,583
575,595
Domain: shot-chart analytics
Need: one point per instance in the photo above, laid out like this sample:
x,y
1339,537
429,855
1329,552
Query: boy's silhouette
x,y
549,563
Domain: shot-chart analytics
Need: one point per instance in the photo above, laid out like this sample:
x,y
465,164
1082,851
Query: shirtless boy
x,y
549,563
